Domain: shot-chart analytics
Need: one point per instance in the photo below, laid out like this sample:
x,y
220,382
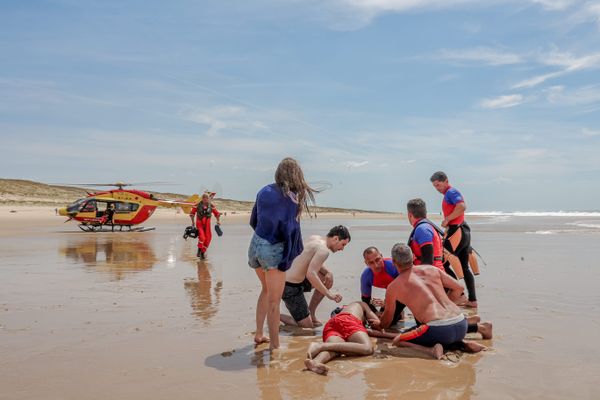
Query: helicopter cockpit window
x,y
74,207
90,206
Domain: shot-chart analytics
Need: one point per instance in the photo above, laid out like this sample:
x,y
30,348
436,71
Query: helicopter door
x,y
100,208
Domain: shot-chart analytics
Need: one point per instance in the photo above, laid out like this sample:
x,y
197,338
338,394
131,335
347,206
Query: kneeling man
x,y
422,290
307,271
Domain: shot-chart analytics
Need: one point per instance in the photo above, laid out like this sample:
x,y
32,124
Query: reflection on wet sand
x,y
114,256
421,379
201,292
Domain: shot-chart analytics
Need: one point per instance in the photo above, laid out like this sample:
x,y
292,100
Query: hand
x,y
377,302
445,223
374,322
335,297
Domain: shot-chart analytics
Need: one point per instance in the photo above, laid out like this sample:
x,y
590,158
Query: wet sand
x,y
136,316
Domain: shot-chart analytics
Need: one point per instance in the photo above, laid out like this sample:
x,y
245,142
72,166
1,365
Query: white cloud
x,y
590,133
568,62
503,101
555,4
356,164
219,118
483,55
588,12
559,95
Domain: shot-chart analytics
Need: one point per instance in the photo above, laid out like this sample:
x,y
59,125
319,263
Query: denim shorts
x,y
262,254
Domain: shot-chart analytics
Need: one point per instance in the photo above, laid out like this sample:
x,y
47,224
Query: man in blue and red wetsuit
x,y
425,240
203,211
457,239
379,272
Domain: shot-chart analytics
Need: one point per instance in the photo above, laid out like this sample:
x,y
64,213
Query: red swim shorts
x,y
343,325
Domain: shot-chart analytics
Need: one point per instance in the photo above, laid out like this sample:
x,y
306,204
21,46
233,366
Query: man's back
x,y
299,268
421,289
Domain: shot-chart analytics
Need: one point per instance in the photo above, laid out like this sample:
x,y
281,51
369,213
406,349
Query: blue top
x,y
274,219
423,234
453,196
381,280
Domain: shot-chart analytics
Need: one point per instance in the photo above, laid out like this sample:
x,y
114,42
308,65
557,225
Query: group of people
x,y
418,275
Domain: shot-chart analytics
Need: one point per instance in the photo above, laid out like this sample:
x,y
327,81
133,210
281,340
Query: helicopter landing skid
x,y
114,228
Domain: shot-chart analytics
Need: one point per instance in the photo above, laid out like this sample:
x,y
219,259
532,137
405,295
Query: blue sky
x,y
371,96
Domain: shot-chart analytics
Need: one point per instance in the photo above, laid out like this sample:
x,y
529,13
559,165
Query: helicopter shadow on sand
x,y
116,257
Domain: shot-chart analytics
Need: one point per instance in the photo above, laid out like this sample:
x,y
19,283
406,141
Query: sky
x,y
370,96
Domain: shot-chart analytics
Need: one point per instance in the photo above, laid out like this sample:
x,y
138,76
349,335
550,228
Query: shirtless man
x,y
422,290
308,270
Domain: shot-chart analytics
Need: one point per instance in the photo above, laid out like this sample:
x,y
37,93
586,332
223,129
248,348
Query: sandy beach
x,y
137,316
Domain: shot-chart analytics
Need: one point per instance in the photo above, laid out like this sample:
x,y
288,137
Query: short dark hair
x,y
439,176
369,250
417,208
340,231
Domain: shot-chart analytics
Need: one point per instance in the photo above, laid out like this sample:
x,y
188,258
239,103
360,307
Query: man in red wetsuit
x,y
203,211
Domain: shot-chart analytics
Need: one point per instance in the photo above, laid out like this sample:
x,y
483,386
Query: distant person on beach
x,y
203,211
277,241
457,239
379,272
307,271
422,289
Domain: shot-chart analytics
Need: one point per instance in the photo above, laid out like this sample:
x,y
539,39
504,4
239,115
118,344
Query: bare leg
x,y
473,319
316,299
316,358
261,309
288,320
275,280
436,351
381,334
485,328
358,344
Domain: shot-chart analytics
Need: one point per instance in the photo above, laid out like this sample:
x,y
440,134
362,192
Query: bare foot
x,y
316,367
259,339
473,347
316,322
470,304
473,319
313,350
485,328
437,351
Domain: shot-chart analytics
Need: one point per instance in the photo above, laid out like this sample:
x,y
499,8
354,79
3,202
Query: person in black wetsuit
x,y
457,239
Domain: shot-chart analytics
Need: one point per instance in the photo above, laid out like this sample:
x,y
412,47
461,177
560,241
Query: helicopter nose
x,y
63,212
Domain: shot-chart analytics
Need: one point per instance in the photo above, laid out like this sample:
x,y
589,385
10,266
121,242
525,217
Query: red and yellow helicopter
x,y
119,208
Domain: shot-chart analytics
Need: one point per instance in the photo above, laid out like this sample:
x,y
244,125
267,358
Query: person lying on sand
x,y
345,334
307,271
442,323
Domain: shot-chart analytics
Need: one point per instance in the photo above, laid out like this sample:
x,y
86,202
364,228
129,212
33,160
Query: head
x,y
373,258
416,210
290,178
439,181
336,311
337,238
402,256
205,198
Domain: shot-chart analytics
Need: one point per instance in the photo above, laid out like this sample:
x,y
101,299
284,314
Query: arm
x,y
453,285
217,214
312,274
459,210
367,300
390,308
427,254
253,218
370,316
192,213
